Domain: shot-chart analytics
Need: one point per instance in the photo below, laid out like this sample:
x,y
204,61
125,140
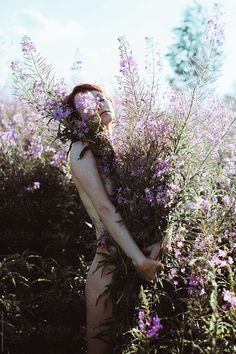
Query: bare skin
x,y
94,191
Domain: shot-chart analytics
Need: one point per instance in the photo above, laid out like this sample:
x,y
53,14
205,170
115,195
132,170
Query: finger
x,y
148,248
153,255
155,252
160,266
146,251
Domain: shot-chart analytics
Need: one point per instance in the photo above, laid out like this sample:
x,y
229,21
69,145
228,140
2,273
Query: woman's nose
x,y
100,105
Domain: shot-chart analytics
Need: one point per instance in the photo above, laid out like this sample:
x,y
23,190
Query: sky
x,y
61,28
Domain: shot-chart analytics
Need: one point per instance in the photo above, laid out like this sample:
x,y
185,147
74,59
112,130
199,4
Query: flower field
x,y
175,181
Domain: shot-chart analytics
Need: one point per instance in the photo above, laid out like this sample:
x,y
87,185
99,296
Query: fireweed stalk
x,y
157,153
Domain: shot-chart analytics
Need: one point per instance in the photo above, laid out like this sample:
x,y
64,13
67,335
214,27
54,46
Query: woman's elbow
x,y
105,209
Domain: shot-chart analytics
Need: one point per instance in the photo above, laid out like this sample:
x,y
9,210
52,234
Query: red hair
x,y
82,88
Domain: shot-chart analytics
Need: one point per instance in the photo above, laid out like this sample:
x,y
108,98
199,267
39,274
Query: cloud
x,y
54,39
57,41
43,27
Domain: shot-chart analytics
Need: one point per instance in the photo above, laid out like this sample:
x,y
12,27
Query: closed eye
x,y
100,98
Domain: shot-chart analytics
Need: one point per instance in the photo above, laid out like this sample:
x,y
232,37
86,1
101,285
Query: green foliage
x,y
191,50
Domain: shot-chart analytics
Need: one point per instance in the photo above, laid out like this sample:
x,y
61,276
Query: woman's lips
x,y
105,112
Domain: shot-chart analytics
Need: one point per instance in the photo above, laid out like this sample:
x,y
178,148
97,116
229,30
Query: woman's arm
x,y
153,250
86,173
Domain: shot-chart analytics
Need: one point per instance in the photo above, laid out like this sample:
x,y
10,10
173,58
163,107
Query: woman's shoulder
x,y
78,148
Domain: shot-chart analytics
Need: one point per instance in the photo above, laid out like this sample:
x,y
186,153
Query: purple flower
x,y
202,291
195,280
141,314
173,190
222,253
35,185
163,167
162,198
149,196
214,31
76,65
50,104
58,158
27,45
60,90
87,103
36,148
225,307
230,297
173,273
140,125
149,325
190,291
14,65
104,168
9,137
202,204
133,173
126,64
61,113
228,201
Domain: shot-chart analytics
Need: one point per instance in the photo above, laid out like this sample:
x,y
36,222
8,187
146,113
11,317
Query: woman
x,y
95,190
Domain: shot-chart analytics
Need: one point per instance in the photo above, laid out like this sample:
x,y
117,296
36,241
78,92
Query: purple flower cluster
x,y
229,201
152,129
163,167
149,197
202,203
87,103
59,113
36,148
58,159
27,45
173,190
126,64
150,325
9,137
81,127
195,280
214,30
50,103
219,260
15,65
33,186
230,297
76,65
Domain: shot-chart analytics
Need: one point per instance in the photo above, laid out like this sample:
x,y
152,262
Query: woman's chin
x,y
106,118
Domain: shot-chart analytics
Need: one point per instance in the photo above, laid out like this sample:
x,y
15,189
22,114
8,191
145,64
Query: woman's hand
x,y
153,250
147,268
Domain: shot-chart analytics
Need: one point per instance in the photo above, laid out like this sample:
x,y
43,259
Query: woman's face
x,y
105,108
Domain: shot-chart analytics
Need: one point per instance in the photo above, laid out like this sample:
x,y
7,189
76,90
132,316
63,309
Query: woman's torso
x,y
99,226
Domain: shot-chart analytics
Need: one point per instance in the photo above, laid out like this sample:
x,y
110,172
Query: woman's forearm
x,y
119,232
